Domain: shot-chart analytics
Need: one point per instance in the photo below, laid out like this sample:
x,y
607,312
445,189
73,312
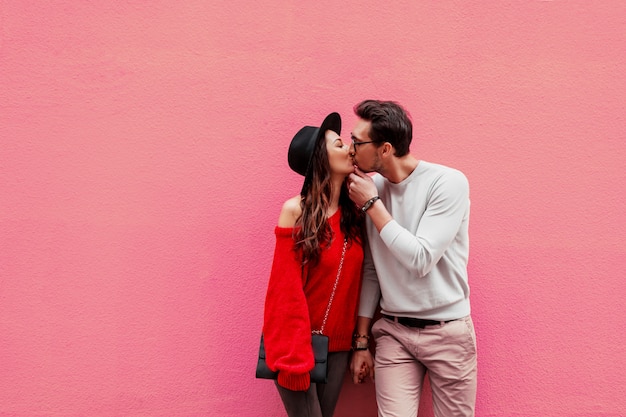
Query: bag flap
x,y
319,343
320,347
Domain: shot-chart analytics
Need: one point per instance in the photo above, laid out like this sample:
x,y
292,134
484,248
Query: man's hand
x,y
361,366
361,187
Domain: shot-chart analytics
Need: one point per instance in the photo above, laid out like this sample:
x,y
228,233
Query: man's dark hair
x,y
390,123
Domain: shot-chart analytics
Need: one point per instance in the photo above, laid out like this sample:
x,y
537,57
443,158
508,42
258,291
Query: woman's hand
x,y
361,366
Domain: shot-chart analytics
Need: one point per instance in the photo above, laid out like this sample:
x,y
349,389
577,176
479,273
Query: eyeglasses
x,y
355,144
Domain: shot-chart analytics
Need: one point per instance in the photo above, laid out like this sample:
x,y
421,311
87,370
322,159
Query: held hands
x,y
361,366
360,187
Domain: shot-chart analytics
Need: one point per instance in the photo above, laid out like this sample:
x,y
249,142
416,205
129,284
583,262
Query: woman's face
x,y
339,157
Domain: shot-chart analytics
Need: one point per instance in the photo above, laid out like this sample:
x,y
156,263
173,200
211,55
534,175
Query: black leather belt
x,y
411,322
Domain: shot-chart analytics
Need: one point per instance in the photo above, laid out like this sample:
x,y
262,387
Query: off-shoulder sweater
x,y
295,306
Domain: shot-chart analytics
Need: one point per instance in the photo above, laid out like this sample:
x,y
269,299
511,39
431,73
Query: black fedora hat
x,y
303,145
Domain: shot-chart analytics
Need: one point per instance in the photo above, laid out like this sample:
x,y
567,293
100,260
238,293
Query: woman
x,y
310,235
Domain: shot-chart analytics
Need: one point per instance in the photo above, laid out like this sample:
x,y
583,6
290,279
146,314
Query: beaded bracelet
x,y
358,336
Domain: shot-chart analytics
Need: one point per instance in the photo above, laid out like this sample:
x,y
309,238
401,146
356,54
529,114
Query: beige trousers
x,y
447,352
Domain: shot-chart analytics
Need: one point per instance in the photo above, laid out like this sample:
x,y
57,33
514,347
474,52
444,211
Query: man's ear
x,y
387,150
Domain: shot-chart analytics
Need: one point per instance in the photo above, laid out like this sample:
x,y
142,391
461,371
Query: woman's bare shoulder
x,y
290,212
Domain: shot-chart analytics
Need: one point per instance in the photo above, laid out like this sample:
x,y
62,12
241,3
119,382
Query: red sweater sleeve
x,y
286,326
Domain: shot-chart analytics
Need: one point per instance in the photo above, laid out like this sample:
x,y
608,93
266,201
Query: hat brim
x,y
331,122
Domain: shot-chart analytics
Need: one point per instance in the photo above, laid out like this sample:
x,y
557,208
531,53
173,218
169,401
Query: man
x,y
416,267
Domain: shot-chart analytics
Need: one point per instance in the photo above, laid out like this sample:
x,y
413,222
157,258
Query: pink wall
x,y
143,164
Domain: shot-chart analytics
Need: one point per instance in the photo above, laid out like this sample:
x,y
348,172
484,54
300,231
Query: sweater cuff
x,y
294,382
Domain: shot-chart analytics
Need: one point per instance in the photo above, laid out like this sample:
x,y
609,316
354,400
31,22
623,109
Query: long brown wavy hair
x,y
313,233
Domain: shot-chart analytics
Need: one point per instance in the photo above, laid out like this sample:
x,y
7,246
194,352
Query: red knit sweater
x,y
292,310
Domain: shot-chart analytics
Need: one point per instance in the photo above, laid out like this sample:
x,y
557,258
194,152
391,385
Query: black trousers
x,y
320,399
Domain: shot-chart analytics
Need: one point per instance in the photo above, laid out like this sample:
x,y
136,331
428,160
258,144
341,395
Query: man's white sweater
x,y
417,265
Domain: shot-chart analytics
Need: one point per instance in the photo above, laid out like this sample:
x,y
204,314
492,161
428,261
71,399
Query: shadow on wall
x,y
360,400
356,400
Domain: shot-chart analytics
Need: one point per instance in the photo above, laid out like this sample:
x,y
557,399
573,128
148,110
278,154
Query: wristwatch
x,y
361,346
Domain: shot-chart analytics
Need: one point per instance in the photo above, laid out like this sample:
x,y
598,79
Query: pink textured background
x,y
143,165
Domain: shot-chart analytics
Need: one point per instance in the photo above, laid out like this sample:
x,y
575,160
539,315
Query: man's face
x,y
364,152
